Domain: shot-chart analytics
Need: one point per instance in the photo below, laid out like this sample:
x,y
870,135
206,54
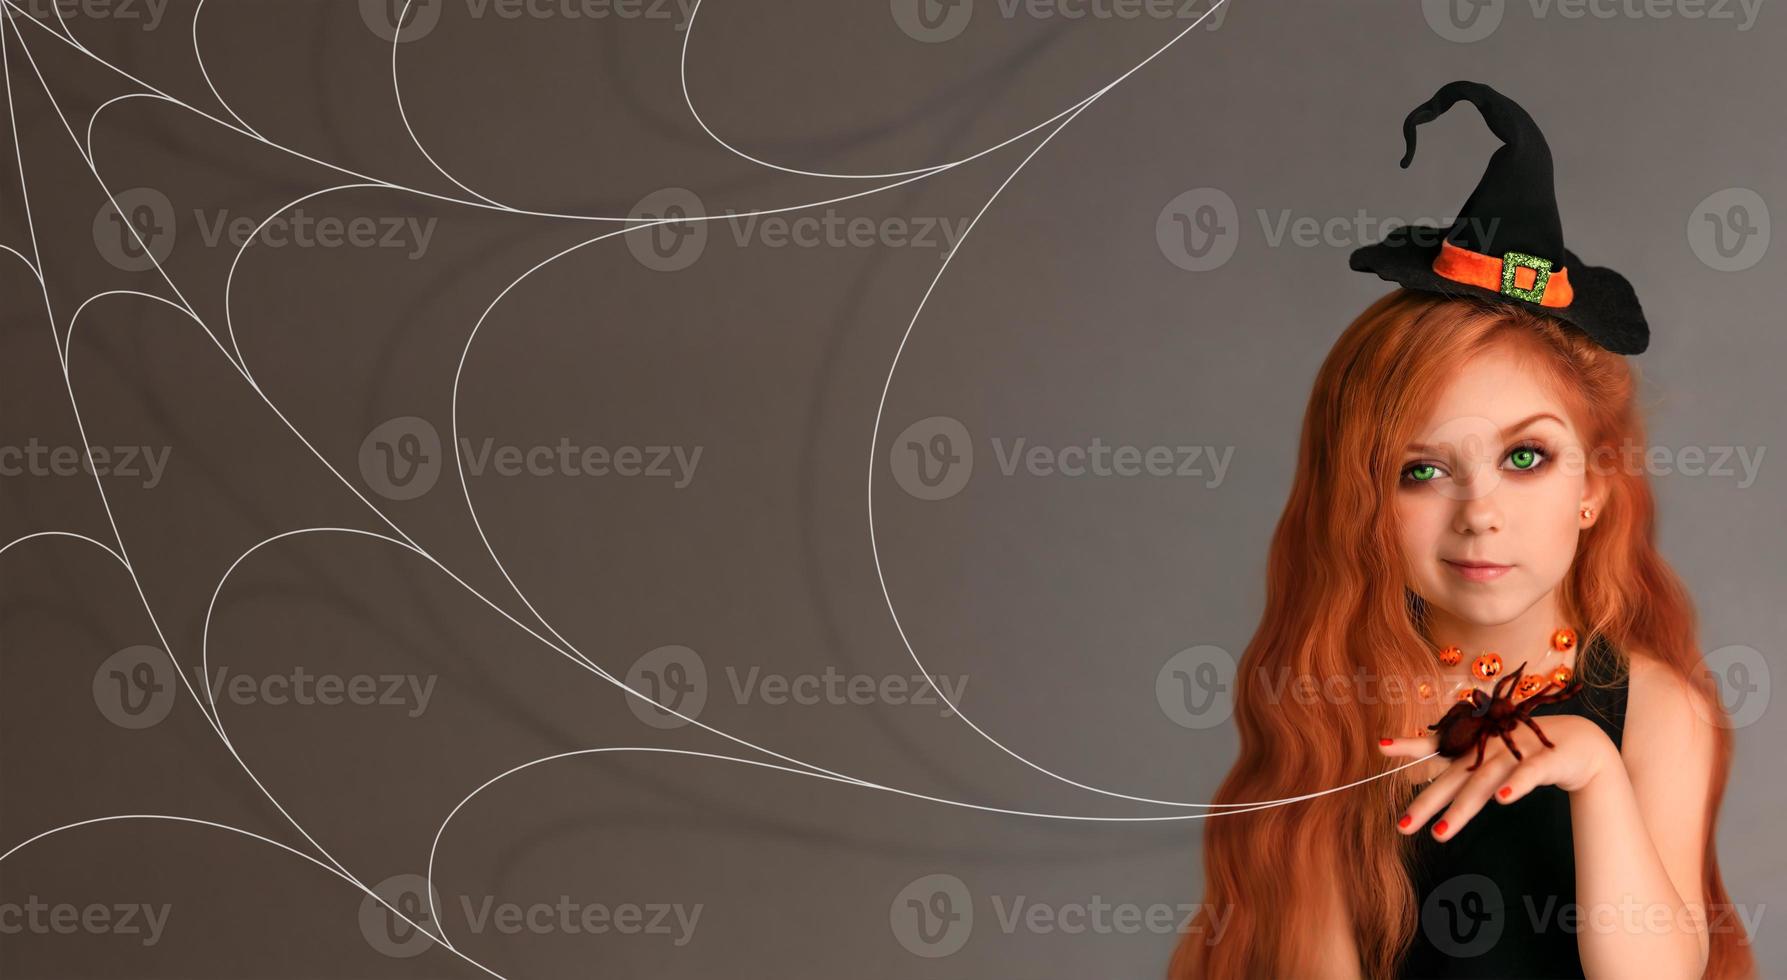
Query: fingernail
x,y
1504,791
1439,828
1405,821
1386,741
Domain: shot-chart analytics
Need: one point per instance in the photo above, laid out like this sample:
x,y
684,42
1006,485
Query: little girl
x,y
1464,517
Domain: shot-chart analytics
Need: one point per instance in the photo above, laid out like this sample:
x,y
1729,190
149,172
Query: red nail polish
x,y
1504,791
1439,828
1405,821
1385,741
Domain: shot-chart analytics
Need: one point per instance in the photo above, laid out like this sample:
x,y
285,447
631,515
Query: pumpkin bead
x,y
1487,666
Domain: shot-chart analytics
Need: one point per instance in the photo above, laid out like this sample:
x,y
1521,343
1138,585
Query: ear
x,y
1595,488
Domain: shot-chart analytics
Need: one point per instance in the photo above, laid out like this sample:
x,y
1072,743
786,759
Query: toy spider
x,y
1474,722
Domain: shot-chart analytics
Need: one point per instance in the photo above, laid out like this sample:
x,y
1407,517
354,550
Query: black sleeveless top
x,y
1497,900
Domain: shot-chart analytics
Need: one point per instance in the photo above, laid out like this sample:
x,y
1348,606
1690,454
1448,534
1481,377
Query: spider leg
x,y
1510,744
1482,742
1548,697
1532,725
1507,682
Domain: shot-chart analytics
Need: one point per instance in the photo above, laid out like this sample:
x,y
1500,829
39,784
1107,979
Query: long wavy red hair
x,y
1335,602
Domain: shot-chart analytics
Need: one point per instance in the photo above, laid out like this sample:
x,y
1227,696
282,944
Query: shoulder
x,y
1670,721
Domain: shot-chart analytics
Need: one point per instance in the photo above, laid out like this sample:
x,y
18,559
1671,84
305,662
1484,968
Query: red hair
x,y
1336,602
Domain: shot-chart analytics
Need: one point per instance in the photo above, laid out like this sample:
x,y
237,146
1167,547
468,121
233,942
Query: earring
x,y
1587,513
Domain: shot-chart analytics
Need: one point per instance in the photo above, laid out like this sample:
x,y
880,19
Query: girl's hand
x,y
1583,751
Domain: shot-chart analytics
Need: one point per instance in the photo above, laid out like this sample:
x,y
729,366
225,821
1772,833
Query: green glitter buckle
x,y
1520,260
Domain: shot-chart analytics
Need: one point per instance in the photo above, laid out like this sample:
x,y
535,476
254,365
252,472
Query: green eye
x,y
1525,458
1421,472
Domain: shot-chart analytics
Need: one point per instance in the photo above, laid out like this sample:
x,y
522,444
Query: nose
x,y
1479,510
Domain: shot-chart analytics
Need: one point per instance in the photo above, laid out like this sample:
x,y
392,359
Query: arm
x,y
1336,954
1640,830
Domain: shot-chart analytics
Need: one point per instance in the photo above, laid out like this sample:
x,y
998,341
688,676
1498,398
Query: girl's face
x,y
1495,480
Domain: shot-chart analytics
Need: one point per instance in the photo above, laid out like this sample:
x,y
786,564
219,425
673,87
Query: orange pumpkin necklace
x,y
1487,666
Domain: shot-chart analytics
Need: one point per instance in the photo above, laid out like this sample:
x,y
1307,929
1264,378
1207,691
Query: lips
x,y
1477,571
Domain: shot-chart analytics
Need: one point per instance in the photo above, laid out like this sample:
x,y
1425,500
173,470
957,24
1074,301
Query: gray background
x,y
1061,320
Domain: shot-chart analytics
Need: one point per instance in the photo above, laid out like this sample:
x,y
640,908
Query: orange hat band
x,y
1516,274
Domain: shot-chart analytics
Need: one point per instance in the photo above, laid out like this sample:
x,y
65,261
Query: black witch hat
x,y
1507,244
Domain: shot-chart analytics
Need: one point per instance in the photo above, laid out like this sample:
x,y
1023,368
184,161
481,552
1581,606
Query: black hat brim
x,y
1603,304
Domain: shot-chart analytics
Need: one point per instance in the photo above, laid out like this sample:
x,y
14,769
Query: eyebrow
x,y
1506,433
